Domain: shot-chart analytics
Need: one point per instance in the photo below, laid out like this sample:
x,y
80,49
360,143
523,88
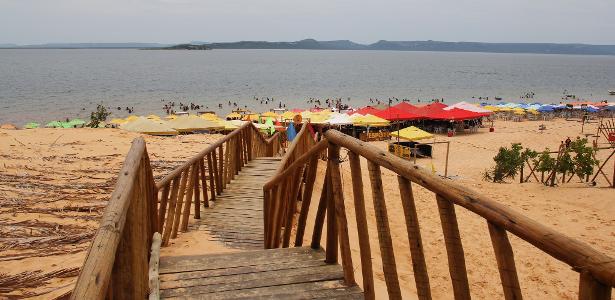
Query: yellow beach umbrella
x,y
533,112
288,115
250,117
270,114
210,117
131,118
117,121
369,120
233,115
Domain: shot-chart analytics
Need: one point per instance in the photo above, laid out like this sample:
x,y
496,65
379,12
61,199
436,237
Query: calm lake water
x,y
43,85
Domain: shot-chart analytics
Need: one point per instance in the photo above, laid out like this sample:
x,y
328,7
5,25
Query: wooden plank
x,y
300,290
226,260
324,275
239,278
421,278
505,258
384,234
282,264
454,248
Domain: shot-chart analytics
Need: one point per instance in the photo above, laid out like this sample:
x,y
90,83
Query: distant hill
x,y
541,48
312,44
181,47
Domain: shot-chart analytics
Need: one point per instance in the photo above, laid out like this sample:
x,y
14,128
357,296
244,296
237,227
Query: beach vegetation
x,y
100,115
508,163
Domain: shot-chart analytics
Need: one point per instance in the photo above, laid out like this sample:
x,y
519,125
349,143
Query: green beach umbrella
x,y
31,125
66,125
76,122
54,124
269,124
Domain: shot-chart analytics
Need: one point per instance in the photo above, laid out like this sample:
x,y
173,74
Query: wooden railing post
x,y
505,258
362,230
320,215
340,213
591,289
384,234
331,246
168,228
307,200
454,248
414,239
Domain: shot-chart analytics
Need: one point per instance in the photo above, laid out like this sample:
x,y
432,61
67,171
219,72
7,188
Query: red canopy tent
x,y
430,109
455,114
366,110
406,106
396,114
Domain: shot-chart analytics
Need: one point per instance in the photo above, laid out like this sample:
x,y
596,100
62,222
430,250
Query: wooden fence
x,y
597,271
279,213
116,265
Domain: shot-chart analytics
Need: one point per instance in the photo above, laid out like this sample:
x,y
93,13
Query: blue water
x,y
43,85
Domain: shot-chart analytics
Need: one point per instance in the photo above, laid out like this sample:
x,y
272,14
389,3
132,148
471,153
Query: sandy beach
x,y
56,183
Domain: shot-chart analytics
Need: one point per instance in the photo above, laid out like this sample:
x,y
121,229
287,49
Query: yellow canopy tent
x,y
369,120
412,134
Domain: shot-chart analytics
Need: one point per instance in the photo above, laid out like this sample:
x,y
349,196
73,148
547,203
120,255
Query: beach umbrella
x,y
270,114
76,122
31,125
340,119
146,126
210,117
269,125
117,121
250,117
187,124
291,133
8,126
533,111
153,117
131,118
468,106
233,115
288,115
54,124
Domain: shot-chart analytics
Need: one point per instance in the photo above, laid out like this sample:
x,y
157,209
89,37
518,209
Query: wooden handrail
x,y
580,256
319,147
200,155
126,224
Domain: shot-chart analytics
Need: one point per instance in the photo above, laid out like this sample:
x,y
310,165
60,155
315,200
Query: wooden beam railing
x,y
206,175
294,178
596,270
118,259
116,265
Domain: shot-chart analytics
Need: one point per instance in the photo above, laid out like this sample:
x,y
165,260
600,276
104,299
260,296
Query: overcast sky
x,y
176,21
